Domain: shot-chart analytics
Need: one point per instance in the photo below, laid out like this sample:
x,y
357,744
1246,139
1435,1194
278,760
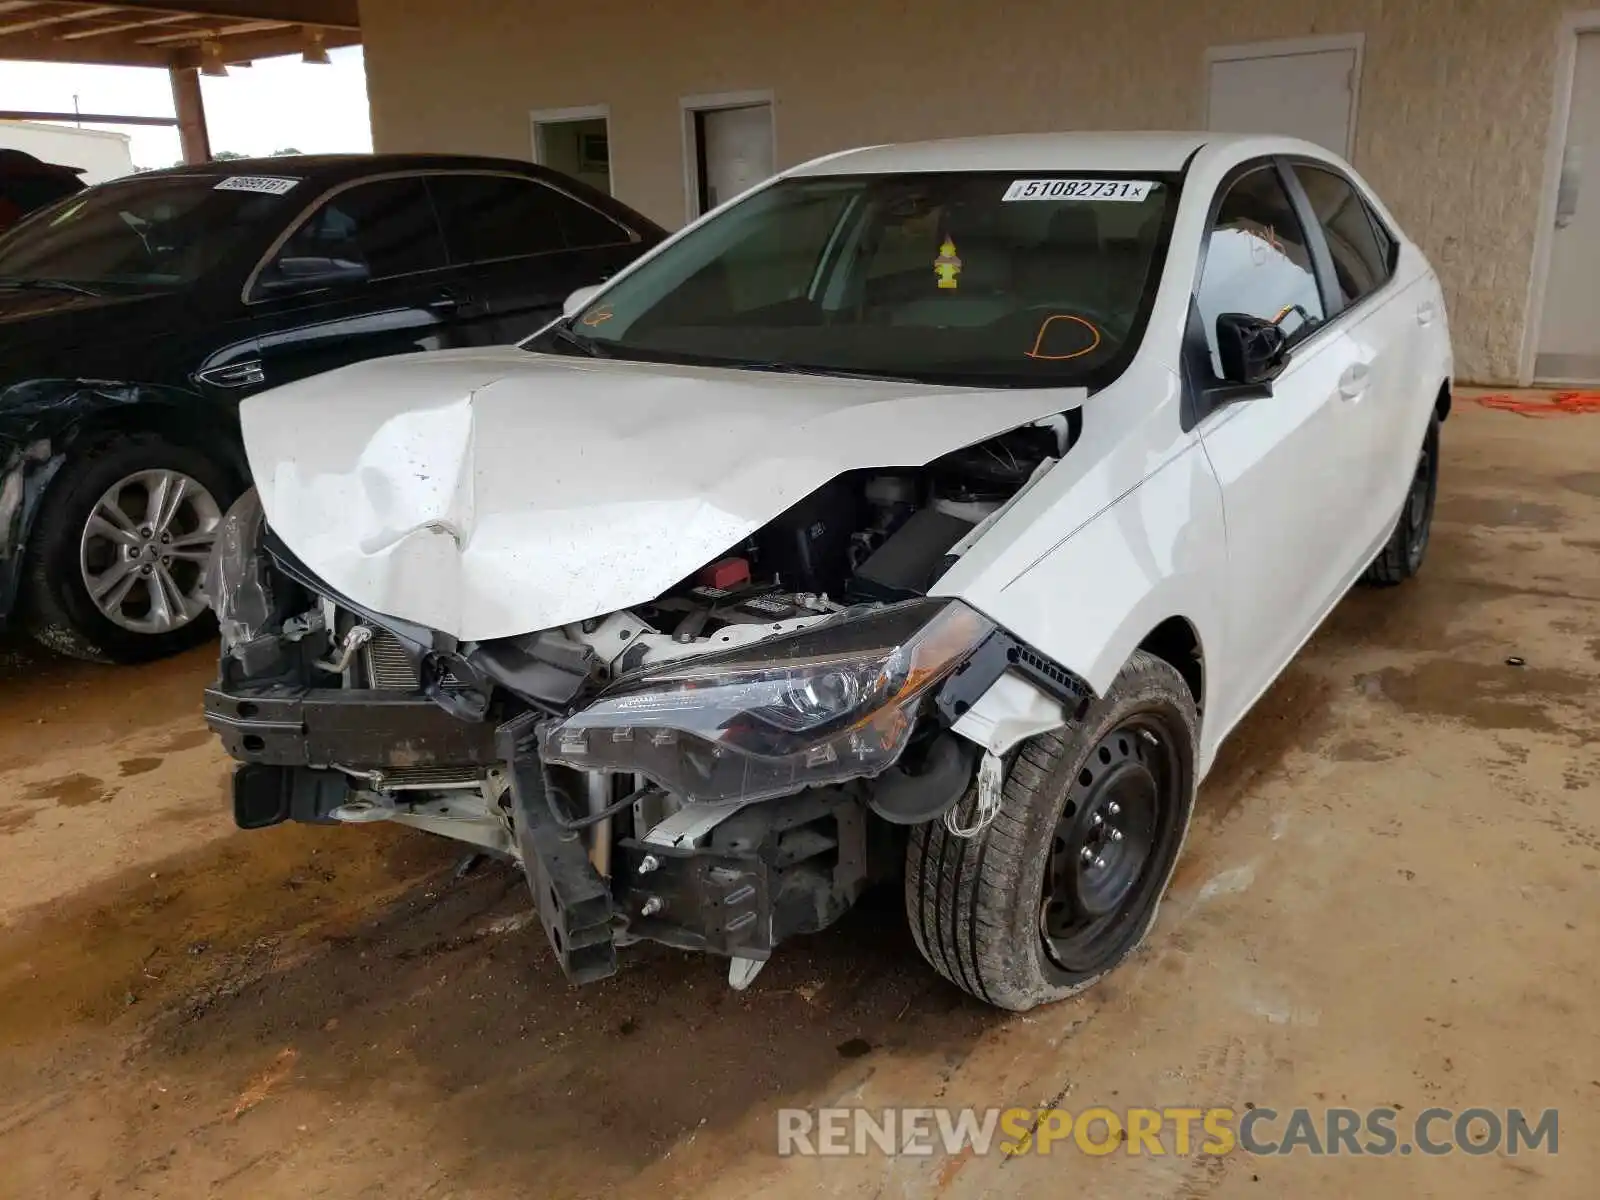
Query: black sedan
x,y
135,315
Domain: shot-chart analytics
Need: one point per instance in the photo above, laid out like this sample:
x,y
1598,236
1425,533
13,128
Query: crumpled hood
x,y
487,493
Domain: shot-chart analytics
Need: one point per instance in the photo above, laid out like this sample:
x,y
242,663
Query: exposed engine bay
x,y
719,769
867,537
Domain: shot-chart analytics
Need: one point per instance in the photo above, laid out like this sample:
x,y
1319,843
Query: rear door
x,y
524,245
1287,461
1385,316
362,275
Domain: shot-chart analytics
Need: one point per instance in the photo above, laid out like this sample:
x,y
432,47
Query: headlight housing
x,y
834,702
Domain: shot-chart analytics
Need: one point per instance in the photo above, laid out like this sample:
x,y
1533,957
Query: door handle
x,y
1426,312
1354,381
444,302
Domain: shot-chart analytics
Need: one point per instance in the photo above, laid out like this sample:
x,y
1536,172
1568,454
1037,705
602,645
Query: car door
x,y
362,275
1384,316
1288,461
525,246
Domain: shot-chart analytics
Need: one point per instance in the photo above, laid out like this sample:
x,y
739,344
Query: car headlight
x,y
833,702
239,578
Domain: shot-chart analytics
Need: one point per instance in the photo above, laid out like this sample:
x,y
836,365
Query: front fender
x,y
1090,598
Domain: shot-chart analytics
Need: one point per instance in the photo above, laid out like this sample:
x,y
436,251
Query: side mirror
x,y
287,275
580,299
1252,351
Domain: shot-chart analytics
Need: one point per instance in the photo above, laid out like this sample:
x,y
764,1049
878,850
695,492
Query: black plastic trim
x,y
573,901
266,795
997,654
351,727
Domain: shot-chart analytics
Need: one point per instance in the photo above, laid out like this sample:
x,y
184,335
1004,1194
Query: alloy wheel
x,y
144,548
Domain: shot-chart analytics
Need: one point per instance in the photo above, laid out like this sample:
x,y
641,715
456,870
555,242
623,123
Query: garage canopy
x,y
188,37
183,34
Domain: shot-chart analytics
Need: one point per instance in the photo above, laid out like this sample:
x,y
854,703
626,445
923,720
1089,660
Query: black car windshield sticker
x,y
271,185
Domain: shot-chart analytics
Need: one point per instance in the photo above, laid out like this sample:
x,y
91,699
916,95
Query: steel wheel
x,y
1419,508
144,549
1109,837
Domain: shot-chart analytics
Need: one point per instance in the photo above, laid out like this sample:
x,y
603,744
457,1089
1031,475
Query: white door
x,y
1386,322
1310,96
1569,334
1286,461
735,151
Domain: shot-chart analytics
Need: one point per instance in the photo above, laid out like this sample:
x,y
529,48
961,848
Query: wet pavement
x,y
1390,897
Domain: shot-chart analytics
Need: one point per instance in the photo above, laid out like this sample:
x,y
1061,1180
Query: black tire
x,y
978,907
57,608
1402,555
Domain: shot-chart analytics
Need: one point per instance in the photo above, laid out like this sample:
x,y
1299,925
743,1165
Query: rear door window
x,y
1362,251
491,217
586,228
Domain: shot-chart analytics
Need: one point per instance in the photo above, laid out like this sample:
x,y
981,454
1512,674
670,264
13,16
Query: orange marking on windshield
x,y
598,317
1038,338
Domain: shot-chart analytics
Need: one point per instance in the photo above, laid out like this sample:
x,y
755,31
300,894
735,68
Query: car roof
x,y
322,171
331,167
1110,152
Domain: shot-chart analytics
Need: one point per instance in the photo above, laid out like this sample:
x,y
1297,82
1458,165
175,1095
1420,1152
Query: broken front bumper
x,y
733,886
371,729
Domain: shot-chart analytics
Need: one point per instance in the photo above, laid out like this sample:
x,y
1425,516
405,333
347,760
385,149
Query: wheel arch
x,y
1176,641
46,421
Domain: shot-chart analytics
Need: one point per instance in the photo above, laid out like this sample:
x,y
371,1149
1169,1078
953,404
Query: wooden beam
x,y
113,51
335,14
85,118
254,46
191,109
73,35
57,18
211,34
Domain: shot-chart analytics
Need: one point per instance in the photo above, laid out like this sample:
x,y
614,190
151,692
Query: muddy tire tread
x,y
965,919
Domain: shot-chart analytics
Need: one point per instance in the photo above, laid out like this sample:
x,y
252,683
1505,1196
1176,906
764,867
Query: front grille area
x,y
388,668
387,664
430,777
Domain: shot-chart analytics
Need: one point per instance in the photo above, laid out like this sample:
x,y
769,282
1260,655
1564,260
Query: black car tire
x,y
57,609
982,909
1402,555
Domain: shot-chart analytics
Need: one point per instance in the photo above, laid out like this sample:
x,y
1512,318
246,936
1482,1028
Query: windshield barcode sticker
x,y
256,183
1079,189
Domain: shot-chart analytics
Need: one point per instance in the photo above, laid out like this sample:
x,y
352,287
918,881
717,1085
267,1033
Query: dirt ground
x,y
1390,897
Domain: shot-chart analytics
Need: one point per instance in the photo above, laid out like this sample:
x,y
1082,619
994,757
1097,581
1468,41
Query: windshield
x,y
956,278
154,232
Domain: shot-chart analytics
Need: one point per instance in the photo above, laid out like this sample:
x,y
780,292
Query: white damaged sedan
x,y
928,512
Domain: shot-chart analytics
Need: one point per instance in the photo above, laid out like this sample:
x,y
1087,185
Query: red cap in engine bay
x,y
725,573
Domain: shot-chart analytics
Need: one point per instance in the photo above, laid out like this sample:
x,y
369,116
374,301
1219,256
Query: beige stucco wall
x,y
1453,119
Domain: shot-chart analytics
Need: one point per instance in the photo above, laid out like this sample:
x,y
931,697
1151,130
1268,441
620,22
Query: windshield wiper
x,y
789,368
48,285
577,341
